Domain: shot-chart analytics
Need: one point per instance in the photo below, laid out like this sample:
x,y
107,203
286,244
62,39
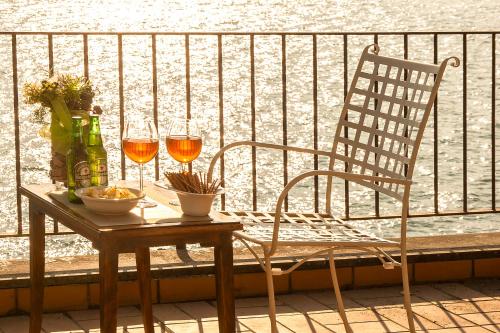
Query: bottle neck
x,y
77,132
95,138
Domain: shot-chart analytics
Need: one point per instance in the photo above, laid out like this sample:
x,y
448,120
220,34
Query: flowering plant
x,y
62,96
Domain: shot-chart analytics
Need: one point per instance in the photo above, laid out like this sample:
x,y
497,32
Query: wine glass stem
x,y
141,183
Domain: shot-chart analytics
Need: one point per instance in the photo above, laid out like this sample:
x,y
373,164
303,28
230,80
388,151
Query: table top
x,y
165,218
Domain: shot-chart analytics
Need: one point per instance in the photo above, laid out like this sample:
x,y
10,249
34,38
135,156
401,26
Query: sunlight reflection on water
x,y
264,16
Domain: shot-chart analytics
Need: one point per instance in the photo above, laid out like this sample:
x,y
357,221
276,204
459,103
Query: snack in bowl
x,y
112,192
110,200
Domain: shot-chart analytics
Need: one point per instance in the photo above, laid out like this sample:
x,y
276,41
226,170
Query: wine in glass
x,y
184,141
140,144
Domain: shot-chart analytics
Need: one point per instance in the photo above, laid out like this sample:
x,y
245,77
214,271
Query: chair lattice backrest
x,y
384,117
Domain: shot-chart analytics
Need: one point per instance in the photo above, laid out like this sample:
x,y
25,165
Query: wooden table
x,y
135,233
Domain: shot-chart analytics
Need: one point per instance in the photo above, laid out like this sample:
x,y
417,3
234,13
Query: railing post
x,y
51,54
464,120
85,56
16,134
221,113
284,114
493,122
155,98
252,106
188,83
436,140
50,47
377,194
122,105
187,75
346,130
315,120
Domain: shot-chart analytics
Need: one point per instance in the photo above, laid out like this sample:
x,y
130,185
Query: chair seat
x,y
311,229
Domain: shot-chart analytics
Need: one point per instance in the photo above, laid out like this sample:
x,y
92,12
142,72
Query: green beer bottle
x,y
77,162
98,158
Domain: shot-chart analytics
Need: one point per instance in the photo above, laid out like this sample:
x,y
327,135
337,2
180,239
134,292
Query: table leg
x,y
223,255
37,267
108,279
142,258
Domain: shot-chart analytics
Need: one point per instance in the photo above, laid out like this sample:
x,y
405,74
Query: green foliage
x,y
77,93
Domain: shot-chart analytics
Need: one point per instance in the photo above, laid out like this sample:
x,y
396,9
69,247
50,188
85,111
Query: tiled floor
x,y
439,308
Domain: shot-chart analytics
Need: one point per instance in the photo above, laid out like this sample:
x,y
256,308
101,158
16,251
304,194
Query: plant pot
x,y
195,204
60,139
58,171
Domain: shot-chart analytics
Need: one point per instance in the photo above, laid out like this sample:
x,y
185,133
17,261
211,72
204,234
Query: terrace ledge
x,y
172,263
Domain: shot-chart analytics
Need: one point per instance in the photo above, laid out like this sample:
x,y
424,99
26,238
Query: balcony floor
x,y
450,307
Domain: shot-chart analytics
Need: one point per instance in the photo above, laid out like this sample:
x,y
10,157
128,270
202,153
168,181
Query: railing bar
x,y
464,120
122,101
284,114
377,194
188,76
254,137
51,54
436,130
256,33
27,234
493,122
16,134
50,47
155,98
87,76
221,114
405,108
430,214
346,130
85,56
315,120
354,218
187,52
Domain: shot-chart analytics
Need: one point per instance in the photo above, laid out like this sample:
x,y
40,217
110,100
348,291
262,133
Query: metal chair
x,y
396,113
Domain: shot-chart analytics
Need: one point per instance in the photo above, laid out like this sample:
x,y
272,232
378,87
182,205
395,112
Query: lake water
x,y
349,16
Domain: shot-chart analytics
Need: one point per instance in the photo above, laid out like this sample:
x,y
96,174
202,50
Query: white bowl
x,y
109,206
196,204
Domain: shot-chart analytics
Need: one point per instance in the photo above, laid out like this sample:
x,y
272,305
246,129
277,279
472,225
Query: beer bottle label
x,y
82,174
102,171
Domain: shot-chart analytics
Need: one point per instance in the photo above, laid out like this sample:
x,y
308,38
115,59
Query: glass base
x,y
145,203
174,203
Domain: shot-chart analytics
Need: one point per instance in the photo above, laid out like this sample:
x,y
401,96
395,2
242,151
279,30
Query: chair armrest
x,y
263,145
331,173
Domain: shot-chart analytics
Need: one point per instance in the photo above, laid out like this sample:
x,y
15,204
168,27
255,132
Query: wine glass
x,y
184,141
140,144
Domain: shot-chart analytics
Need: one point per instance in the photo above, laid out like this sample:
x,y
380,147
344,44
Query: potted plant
x,y
61,96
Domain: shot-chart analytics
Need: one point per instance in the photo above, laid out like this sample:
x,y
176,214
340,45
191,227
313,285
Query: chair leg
x,y
270,294
338,296
406,291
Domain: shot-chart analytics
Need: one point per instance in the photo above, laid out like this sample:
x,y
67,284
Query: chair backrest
x,y
384,117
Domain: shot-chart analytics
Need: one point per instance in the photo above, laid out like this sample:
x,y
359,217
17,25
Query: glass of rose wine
x,y
140,144
184,141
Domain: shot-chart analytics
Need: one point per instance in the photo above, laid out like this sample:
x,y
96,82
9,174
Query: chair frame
x,y
398,186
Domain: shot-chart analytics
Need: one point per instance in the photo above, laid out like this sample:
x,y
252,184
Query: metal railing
x,y
346,37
